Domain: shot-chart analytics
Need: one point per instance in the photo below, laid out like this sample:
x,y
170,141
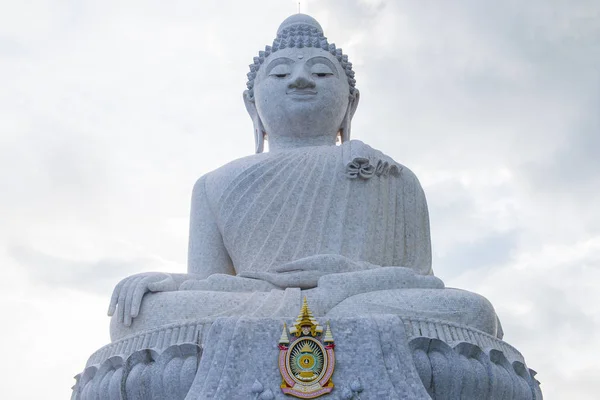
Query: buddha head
x,y
301,90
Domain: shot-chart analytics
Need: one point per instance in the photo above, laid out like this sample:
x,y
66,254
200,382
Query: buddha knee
x,y
476,311
446,305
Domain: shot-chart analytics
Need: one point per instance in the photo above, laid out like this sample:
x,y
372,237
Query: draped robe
x,y
260,212
274,208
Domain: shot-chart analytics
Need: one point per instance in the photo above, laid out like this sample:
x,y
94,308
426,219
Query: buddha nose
x,y
302,80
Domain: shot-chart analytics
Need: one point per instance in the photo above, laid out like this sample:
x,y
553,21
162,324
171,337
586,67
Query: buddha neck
x,y
281,143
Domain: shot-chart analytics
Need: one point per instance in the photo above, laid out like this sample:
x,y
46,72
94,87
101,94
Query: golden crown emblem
x,y
306,362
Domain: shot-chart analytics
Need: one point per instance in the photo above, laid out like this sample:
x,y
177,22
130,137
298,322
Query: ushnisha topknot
x,y
300,30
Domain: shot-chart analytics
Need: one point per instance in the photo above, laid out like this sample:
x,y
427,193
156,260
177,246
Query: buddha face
x,y
301,92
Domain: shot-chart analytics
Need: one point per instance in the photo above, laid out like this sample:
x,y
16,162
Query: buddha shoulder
x,y
356,160
214,183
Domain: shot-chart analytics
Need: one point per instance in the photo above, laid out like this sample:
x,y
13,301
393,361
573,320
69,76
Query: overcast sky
x,y
110,110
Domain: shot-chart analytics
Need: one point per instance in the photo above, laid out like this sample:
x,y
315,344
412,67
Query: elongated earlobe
x,y
345,129
259,137
259,143
259,129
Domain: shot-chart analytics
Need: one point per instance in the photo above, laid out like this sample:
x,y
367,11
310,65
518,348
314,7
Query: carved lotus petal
x,y
257,387
347,394
360,167
352,170
267,395
356,386
366,171
361,161
381,168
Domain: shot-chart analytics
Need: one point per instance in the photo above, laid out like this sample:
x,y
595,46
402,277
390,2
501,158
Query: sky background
x,y
110,110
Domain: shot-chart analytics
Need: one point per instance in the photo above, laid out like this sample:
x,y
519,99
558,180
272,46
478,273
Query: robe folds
x,y
349,200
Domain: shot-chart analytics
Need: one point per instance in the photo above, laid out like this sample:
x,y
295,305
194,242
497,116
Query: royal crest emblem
x,y
306,361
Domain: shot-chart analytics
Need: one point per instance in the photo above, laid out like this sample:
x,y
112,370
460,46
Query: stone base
x,y
377,357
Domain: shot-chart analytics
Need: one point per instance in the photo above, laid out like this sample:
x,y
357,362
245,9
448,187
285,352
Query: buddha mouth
x,y
301,92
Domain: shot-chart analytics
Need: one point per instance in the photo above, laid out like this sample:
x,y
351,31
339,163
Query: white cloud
x,y
547,302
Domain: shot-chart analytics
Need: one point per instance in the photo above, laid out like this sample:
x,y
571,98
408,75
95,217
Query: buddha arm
x,y
418,237
207,254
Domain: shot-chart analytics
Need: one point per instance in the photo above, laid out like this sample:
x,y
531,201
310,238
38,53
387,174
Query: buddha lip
x,y
302,92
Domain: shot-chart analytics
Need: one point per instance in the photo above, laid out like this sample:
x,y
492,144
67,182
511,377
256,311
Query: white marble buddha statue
x,y
344,225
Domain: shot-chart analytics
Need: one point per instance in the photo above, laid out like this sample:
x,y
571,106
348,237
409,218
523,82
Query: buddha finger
x,y
256,275
319,262
122,298
294,266
302,280
136,301
128,300
334,263
299,279
273,278
115,297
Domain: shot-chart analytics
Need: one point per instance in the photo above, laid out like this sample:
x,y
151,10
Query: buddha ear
x,y
346,123
259,129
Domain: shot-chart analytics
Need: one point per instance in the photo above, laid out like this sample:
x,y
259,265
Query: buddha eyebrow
x,y
278,61
322,60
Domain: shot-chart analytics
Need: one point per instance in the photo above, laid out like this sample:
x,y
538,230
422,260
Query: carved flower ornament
x,y
359,168
362,168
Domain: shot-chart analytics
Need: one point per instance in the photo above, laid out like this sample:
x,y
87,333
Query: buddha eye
x,y
321,71
280,71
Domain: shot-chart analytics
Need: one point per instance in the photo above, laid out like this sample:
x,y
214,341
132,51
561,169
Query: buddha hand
x,y
129,292
304,273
